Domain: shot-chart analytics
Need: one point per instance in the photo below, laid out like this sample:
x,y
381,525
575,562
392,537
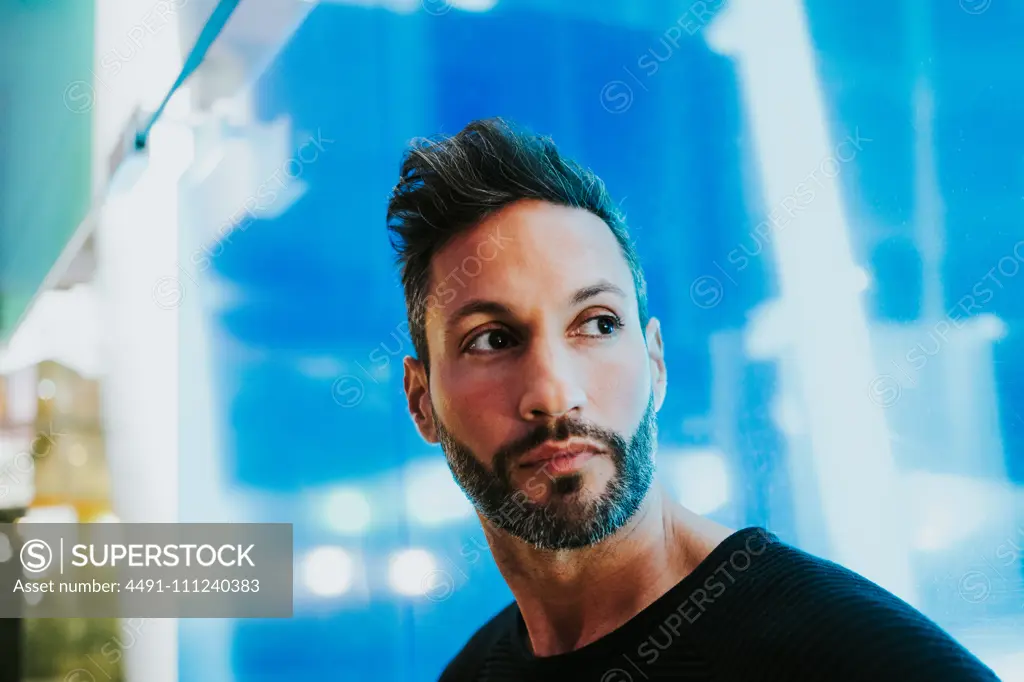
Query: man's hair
x,y
449,184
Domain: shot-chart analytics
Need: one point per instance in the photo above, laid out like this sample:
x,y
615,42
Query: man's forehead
x,y
531,243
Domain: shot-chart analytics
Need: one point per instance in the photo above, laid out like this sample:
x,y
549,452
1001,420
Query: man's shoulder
x,y
809,587
471,657
828,607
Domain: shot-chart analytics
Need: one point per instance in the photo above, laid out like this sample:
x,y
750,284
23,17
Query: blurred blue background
x,y
931,195
828,200
393,572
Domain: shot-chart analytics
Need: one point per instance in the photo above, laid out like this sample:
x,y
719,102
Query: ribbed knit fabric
x,y
755,609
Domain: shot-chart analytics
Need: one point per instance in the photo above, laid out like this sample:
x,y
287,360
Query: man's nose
x,y
553,388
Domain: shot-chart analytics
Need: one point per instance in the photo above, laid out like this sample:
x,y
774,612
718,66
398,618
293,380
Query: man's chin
x,y
591,481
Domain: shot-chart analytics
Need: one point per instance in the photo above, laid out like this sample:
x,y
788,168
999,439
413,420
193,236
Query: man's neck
x,y
571,598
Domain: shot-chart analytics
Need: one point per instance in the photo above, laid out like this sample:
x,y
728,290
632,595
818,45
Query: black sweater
x,y
754,609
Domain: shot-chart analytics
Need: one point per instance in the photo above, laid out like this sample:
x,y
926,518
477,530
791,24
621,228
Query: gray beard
x,y
566,520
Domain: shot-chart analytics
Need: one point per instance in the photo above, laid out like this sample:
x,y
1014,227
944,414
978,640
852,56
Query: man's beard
x,y
569,519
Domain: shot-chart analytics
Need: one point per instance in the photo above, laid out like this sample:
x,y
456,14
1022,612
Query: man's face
x,y
542,390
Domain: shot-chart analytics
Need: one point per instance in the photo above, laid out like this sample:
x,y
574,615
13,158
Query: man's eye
x,y
601,325
492,340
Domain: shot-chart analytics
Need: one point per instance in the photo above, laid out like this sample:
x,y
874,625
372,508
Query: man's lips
x,y
554,455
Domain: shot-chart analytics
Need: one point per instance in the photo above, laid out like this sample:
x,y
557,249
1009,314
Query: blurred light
x,y
859,280
107,517
33,598
991,327
404,6
473,5
347,511
22,391
1009,666
64,513
849,439
769,333
700,480
327,571
948,509
319,367
17,471
64,400
5,548
787,415
432,497
78,455
435,7
409,571
62,325
47,389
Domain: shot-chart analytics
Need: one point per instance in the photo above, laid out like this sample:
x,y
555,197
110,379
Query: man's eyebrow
x,y
477,306
484,307
587,293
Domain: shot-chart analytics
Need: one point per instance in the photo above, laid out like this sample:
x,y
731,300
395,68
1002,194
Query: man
x,y
540,372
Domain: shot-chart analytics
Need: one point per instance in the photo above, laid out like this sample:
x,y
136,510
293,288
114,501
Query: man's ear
x,y
656,357
417,393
